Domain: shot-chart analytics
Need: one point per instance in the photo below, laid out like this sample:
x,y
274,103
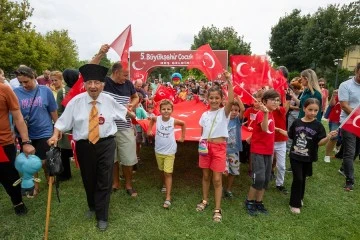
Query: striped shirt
x,y
122,95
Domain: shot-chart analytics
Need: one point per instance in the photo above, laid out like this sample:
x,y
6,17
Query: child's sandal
x,y
167,204
201,206
217,217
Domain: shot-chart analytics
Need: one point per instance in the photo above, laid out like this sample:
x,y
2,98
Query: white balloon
x,y
134,66
212,60
238,69
354,121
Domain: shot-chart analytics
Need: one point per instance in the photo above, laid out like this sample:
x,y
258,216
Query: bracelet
x,y
26,142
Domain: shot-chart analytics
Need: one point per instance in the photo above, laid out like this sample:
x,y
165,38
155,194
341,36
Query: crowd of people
x,y
107,142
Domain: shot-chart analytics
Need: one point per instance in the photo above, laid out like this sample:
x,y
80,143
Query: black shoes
x,y
20,209
282,189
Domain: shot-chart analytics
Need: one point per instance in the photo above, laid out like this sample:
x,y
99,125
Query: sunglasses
x,y
322,85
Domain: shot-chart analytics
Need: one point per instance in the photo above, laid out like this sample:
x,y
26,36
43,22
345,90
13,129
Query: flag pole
x,y
246,91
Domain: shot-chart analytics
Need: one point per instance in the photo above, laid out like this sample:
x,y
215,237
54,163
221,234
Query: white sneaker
x,y
327,159
295,210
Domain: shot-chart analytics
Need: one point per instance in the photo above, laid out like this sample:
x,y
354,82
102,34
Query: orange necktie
x,y
94,134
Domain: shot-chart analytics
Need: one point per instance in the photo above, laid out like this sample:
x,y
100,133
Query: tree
x,y
21,44
322,39
314,41
285,38
14,15
63,50
225,39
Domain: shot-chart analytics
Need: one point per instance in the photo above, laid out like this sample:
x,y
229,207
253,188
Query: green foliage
x,y
300,42
63,50
328,213
293,74
14,15
225,39
21,44
285,38
330,77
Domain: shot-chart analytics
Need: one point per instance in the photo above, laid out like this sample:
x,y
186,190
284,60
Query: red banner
x,y
190,112
143,61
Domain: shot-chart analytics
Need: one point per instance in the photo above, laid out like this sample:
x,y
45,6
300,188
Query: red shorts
x,y
216,158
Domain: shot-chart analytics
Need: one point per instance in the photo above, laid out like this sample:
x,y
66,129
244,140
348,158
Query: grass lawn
x,y
329,212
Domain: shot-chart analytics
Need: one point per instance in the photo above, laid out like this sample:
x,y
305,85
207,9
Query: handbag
x,y
203,143
54,166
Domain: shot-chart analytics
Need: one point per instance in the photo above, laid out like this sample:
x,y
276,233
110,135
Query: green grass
x,y
329,211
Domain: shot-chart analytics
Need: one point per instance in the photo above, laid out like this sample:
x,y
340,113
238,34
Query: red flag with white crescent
x,y
244,95
250,71
206,61
75,90
122,44
163,92
352,122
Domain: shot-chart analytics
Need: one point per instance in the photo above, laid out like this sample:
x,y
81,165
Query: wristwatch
x,y
26,142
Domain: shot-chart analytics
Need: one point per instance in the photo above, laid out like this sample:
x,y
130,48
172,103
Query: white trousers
x,y
280,153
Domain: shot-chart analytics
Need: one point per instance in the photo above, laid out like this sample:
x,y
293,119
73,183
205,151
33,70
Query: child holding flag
x,y
307,134
212,147
165,144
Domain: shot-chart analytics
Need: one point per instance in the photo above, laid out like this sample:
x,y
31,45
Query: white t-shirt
x,y
165,136
220,125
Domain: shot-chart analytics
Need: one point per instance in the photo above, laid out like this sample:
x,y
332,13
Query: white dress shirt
x,y
14,83
76,116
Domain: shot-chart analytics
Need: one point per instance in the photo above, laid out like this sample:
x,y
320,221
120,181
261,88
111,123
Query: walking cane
x,y
51,178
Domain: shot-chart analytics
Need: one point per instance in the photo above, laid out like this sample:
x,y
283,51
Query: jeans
x,y
351,145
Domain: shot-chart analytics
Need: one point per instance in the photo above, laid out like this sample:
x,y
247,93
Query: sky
x,y
163,24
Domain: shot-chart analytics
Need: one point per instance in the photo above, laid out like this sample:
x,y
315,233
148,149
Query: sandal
x,y
201,206
228,194
163,189
167,204
217,217
132,192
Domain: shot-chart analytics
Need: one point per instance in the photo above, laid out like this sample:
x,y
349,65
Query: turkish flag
x,y
73,148
122,44
187,111
3,156
75,90
163,92
206,61
244,95
352,122
138,74
250,71
279,82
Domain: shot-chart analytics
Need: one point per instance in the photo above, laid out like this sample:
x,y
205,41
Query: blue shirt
x,y
234,144
39,119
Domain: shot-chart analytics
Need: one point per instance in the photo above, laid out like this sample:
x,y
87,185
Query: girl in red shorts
x,y
213,135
